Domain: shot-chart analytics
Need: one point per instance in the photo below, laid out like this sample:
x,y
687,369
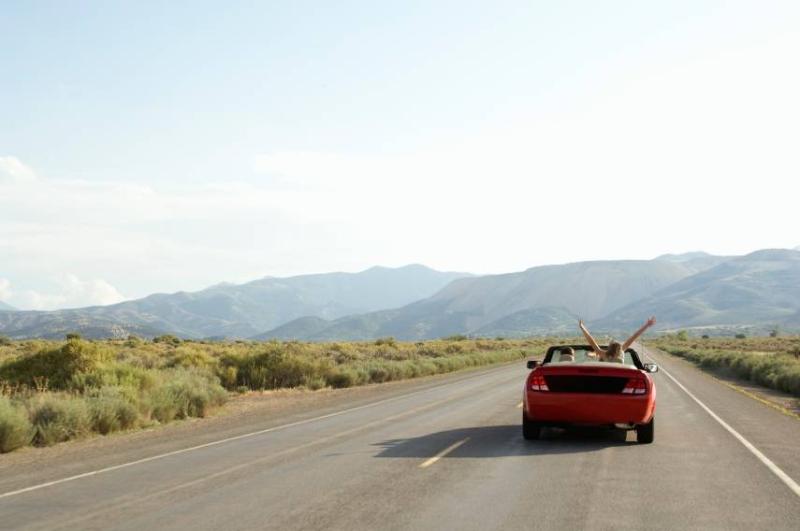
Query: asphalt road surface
x,y
445,453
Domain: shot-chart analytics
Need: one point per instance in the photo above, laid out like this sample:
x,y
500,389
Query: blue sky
x,y
150,147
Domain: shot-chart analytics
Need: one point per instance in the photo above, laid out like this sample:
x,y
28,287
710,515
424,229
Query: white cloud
x,y
13,170
71,292
627,166
5,289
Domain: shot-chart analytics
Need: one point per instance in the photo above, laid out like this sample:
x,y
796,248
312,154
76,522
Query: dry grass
x,y
773,362
56,391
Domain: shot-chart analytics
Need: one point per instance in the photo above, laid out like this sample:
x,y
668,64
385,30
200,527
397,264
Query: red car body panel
x,y
609,406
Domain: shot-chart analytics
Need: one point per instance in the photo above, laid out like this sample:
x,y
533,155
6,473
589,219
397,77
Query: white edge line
x,y
216,443
783,476
443,453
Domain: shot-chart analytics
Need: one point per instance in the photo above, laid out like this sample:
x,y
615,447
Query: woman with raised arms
x,y
615,351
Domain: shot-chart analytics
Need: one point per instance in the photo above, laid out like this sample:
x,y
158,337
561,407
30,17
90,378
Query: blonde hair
x,y
614,350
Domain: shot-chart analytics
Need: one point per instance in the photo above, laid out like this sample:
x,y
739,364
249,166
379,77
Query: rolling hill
x,y
6,307
229,310
690,290
695,261
759,288
500,304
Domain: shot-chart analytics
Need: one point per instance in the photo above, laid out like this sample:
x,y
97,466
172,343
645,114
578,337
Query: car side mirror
x,y
650,367
532,364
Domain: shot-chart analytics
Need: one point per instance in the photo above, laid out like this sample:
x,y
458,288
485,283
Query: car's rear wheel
x,y
530,430
645,433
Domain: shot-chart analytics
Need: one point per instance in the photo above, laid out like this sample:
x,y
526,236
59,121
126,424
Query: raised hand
x,y
651,321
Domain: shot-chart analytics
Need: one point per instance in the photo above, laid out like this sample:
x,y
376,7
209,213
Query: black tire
x,y
530,430
645,433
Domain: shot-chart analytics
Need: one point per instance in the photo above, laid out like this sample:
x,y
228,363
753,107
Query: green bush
x,y
58,418
169,339
115,374
386,341
776,371
105,386
111,410
185,394
5,340
342,377
56,366
188,357
274,368
15,428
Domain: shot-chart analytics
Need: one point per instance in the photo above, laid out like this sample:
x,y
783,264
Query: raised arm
x,y
589,338
650,322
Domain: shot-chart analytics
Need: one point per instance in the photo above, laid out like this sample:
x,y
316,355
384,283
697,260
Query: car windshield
x,y
581,355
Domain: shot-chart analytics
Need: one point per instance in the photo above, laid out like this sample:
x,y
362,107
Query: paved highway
x,y
445,453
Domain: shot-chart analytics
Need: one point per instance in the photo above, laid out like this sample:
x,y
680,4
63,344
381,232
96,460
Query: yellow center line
x,y
443,453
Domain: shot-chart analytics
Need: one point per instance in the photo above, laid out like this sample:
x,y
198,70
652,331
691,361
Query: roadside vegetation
x,y
57,391
773,362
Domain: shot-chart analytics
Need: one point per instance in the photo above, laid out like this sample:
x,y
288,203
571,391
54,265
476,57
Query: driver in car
x,y
566,354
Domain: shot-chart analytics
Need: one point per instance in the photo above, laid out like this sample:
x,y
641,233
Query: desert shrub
x,y
15,428
390,341
72,335
58,418
169,339
453,348
316,382
5,340
776,371
342,377
133,341
111,410
456,337
57,365
105,386
274,368
115,374
188,357
682,335
184,393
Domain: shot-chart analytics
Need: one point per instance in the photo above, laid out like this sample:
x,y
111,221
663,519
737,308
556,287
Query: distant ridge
x,y
6,307
535,301
683,257
759,288
230,310
696,261
758,291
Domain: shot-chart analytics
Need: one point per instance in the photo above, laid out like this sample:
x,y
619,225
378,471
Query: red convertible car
x,y
570,388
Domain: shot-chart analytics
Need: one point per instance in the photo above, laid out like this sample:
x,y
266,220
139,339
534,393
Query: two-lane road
x,y
447,455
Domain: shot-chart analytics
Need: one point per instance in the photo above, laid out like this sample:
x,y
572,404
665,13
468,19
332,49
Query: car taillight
x,y
635,386
538,383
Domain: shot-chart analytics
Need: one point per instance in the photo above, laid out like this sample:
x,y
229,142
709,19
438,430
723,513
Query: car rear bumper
x,y
588,409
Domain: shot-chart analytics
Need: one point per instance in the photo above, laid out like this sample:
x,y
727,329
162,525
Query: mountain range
x,y
6,307
691,290
759,288
237,310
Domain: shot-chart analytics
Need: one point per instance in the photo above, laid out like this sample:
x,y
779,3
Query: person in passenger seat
x,y
615,351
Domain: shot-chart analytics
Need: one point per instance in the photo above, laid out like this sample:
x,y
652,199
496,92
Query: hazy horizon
x,y
4,285
159,148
